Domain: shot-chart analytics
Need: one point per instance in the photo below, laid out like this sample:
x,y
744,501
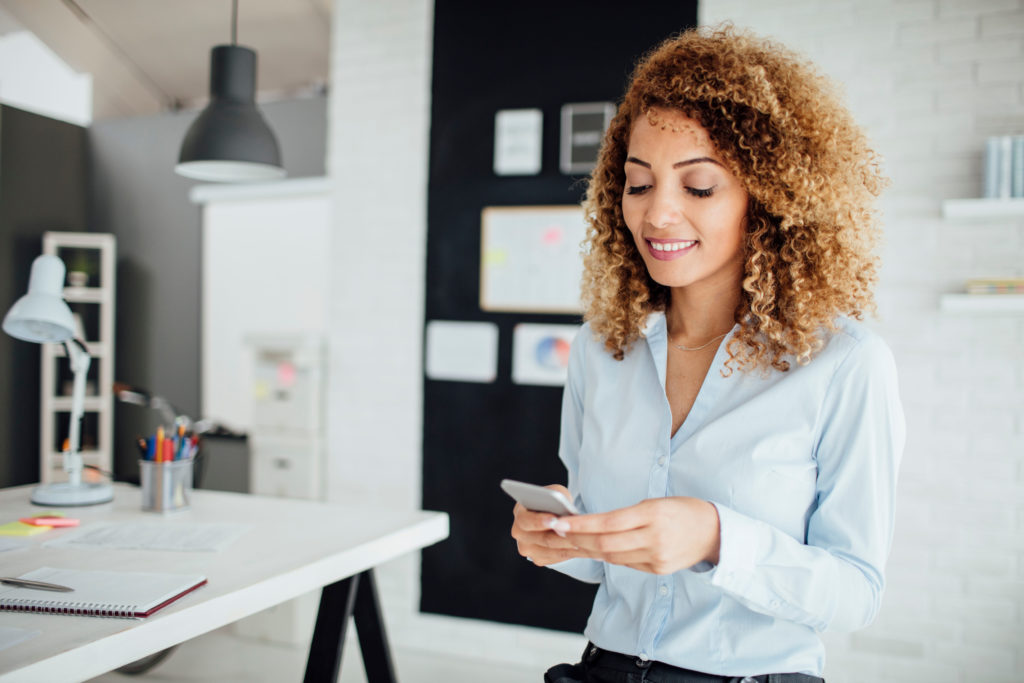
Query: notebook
x,y
129,595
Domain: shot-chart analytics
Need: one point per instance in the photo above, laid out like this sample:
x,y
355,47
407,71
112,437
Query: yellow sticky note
x,y
22,529
495,257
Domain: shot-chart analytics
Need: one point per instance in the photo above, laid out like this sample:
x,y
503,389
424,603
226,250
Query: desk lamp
x,y
42,316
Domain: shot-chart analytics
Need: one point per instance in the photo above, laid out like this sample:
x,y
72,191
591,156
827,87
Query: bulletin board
x,y
530,259
498,415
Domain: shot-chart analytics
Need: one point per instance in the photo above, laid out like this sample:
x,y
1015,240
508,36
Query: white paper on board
x,y
540,353
462,351
517,139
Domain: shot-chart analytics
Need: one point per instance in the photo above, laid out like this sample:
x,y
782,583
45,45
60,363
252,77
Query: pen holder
x,y
166,486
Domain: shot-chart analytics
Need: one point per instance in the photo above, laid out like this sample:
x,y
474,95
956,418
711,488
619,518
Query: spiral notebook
x,y
128,595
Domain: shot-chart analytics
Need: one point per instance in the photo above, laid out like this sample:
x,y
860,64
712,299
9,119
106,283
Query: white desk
x,y
292,547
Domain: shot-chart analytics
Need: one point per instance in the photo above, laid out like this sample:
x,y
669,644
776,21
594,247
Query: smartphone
x,y
538,498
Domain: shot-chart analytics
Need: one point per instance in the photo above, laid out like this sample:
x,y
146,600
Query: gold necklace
x,y
698,348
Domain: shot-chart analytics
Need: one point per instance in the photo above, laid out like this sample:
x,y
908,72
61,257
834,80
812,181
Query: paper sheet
x,y
7,543
517,141
540,353
155,536
462,351
10,636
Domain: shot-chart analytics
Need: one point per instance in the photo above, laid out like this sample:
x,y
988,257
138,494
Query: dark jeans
x,y
602,666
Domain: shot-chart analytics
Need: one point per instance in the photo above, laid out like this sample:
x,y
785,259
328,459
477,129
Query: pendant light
x,y
230,141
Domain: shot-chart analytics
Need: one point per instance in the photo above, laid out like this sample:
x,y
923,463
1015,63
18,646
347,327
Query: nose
x,y
665,209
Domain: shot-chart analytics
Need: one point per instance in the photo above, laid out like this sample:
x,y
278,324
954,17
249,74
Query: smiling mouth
x,y
671,246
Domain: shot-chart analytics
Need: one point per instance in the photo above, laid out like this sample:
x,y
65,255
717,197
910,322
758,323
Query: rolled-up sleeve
x,y
835,579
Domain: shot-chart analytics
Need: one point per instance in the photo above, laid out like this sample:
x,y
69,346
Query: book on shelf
x,y
1004,167
1006,285
94,593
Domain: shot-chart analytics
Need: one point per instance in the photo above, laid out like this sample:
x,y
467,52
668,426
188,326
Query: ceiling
x,y
147,56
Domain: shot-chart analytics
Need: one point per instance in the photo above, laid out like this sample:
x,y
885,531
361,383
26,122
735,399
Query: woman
x,y
731,433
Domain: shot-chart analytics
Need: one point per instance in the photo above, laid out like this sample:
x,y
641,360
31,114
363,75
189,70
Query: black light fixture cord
x,y
234,22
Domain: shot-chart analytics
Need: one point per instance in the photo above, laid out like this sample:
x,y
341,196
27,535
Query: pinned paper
x,y
517,138
462,351
540,353
583,127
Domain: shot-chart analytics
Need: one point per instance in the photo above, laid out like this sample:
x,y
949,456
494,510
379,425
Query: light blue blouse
x,y
801,466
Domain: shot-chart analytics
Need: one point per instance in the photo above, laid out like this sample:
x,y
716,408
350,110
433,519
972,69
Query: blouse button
x,y
663,590
661,461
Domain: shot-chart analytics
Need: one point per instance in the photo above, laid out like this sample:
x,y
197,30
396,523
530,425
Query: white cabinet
x,y
89,258
286,467
286,441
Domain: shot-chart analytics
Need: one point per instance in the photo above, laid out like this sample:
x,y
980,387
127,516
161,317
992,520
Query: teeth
x,y
672,246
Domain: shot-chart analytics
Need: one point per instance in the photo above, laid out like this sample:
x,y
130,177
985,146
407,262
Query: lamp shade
x,y
230,141
41,316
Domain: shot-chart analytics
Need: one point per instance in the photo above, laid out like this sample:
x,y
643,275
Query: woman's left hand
x,y
657,535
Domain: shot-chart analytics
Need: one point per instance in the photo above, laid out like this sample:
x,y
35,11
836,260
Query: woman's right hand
x,y
535,538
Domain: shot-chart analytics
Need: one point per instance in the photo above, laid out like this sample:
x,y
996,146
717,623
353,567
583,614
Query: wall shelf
x,y
983,304
982,209
53,407
90,295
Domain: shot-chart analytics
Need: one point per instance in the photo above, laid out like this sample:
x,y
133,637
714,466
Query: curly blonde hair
x,y
782,130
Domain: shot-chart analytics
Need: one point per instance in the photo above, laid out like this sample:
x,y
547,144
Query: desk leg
x,y
336,603
352,597
373,641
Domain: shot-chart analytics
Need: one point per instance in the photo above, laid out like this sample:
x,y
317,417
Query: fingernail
x,y
560,527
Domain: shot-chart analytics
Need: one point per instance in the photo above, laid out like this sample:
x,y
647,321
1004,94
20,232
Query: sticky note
x,y
20,529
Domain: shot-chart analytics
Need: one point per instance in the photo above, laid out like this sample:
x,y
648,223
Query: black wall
x,y
526,54
42,187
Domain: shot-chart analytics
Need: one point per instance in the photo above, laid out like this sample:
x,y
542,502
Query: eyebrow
x,y
678,164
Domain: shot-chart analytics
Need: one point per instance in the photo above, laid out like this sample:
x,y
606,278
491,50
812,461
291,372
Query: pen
x,y
179,452
160,443
38,585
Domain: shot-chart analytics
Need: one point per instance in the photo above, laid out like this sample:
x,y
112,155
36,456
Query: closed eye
x,y
701,192
695,191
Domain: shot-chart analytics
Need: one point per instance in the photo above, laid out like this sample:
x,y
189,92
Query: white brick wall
x,y
379,118
929,79
940,77
377,162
